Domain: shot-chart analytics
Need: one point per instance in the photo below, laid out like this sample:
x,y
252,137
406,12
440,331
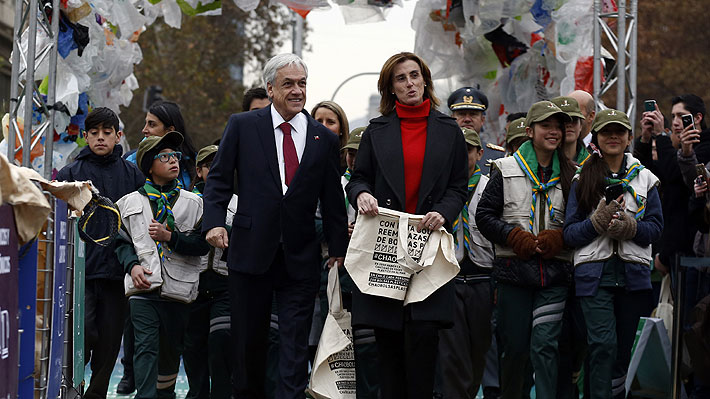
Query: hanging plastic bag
x,y
574,23
333,373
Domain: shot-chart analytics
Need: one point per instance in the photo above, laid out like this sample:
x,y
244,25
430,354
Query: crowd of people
x,y
223,252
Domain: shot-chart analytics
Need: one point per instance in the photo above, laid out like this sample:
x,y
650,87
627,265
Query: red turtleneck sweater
x,y
413,122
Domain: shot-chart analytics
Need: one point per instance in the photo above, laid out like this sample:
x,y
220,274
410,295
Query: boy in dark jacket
x,y
101,163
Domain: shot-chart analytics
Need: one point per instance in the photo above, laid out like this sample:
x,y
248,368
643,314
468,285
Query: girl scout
x,y
612,237
522,213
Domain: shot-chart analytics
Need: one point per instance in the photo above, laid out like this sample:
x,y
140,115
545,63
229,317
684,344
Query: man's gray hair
x,y
279,61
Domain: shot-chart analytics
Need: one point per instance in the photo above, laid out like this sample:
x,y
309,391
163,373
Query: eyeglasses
x,y
165,157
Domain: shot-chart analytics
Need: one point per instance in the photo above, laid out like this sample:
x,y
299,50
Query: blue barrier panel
x,y
8,304
28,312
56,348
78,330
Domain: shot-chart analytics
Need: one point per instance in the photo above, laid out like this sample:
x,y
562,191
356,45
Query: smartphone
x,y
613,191
649,105
688,120
701,171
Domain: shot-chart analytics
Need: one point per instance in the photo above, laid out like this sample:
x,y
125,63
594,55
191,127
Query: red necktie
x,y
290,156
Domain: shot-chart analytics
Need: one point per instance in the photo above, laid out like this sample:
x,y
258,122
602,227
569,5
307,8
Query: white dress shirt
x,y
299,125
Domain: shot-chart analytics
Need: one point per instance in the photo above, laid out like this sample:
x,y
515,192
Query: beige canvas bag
x,y
664,310
333,373
387,257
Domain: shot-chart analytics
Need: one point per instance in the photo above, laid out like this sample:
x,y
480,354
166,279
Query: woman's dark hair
x,y
169,113
567,169
590,186
694,104
385,82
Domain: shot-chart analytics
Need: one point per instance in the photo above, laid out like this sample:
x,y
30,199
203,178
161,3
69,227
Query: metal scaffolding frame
x,y
623,73
35,20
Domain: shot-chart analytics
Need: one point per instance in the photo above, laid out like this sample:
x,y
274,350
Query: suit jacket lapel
x,y
435,153
309,150
265,131
387,143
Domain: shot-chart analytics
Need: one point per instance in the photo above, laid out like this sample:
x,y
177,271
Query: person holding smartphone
x,y
612,232
679,231
691,150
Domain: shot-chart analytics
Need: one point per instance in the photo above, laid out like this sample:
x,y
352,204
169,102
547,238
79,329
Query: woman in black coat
x,y
411,159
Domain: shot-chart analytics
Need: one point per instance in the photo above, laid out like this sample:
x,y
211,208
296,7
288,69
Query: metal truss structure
x,y
36,17
622,69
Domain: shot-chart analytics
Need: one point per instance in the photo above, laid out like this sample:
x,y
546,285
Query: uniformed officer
x,y
463,348
468,106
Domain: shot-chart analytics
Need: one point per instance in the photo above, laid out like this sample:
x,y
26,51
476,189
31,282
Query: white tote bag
x,y
333,373
664,310
387,257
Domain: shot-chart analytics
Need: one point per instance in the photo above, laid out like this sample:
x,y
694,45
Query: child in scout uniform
x,y
515,135
573,340
522,212
160,247
463,348
575,150
207,338
612,237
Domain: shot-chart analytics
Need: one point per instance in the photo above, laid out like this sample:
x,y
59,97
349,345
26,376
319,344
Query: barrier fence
x,y
42,308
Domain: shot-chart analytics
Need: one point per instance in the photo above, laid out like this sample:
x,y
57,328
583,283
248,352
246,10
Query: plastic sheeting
x,y
517,51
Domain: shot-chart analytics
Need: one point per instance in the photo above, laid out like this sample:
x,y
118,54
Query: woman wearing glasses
x,y
159,248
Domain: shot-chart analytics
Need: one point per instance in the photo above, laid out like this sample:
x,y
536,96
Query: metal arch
x,y
340,86
623,73
28,16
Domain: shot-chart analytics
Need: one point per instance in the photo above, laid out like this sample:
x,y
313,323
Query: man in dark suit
x,y
285,163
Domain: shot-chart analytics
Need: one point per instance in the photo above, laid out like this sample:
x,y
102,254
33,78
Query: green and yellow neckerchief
x,y
472,183
163,208
527,160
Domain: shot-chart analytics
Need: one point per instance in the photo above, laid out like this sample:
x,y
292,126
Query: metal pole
x,y
47,300
621,57
632,73
51,93
597,50
29,82
14,81
677,349
298,35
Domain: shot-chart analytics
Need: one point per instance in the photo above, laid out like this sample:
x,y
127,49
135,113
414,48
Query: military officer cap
x,y
467,98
